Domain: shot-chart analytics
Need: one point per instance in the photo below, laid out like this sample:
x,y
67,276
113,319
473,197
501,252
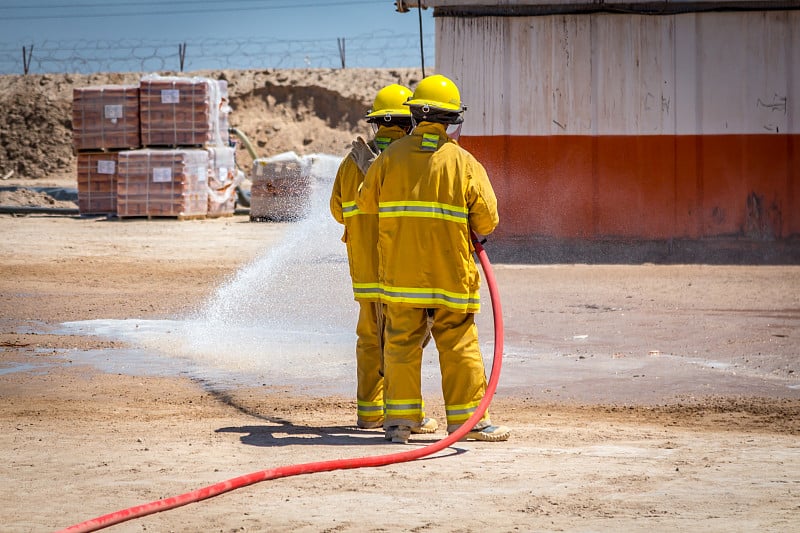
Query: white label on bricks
x,y
223,173
112,111
162,174
105,167
170,96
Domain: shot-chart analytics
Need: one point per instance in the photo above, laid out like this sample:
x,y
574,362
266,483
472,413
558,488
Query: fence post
x,y
340,41
421,49
26,59
182,53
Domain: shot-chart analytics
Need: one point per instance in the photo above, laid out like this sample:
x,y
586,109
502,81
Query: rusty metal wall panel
x,y
744,72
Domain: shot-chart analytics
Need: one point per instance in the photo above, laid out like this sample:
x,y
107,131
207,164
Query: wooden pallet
x,y
162,217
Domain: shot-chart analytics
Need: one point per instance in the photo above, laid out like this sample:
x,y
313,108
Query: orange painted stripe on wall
x,y
644,187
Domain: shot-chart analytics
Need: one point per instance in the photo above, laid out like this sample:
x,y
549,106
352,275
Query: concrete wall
x,y
634,126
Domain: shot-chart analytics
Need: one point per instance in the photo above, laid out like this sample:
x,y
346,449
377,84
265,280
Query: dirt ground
x,y
642,398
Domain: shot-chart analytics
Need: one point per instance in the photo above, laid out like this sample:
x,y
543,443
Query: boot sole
x,y
426,429
487,437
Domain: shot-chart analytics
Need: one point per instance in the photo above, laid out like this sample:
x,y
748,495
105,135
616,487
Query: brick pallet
x,y
168,183
186,169
178,112
105,117
97,183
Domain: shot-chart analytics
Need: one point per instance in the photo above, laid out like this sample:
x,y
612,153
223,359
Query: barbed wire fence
x,y
375,50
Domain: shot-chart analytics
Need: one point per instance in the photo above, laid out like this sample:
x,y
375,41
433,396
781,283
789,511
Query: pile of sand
x,y
28,197
35,130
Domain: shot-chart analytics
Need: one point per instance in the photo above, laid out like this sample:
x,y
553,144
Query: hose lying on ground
x,y
337,464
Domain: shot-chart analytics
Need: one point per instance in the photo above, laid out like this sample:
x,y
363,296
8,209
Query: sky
x,y
131,35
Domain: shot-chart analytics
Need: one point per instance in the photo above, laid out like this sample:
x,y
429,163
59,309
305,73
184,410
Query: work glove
x,y
362,154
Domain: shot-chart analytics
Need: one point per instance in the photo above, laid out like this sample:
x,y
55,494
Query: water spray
x,y
216,489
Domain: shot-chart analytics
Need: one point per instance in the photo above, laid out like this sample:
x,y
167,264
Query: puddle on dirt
x,y
235,355
714,364
11,368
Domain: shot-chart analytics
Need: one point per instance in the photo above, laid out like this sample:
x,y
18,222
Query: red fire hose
x,y
325,466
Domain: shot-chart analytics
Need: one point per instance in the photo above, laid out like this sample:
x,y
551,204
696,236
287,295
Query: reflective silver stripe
x,y
430,141
367,291
371,289
396,406
349,209
432,295
422,209
453,413
370,408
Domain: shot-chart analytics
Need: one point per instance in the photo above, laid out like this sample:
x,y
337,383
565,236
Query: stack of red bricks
x,y
105,120
179,159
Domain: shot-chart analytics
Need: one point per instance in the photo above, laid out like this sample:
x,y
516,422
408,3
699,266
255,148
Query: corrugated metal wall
x,y
634,126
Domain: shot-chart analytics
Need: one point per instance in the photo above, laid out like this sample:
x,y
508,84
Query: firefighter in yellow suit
x,y
429,193
391,120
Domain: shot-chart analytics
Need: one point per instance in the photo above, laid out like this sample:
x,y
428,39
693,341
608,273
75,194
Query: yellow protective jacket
x,y
360,230
428,193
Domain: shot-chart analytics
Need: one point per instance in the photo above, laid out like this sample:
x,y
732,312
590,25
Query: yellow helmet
x,y
389,101
437,92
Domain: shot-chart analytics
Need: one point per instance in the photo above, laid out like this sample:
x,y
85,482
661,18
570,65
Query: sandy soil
x,y
642,398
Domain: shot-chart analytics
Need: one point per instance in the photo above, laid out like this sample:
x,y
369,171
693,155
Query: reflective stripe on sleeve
x,y
349,209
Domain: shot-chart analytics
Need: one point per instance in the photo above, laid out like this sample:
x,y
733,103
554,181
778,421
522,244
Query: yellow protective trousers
x,y
460,362
369,362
